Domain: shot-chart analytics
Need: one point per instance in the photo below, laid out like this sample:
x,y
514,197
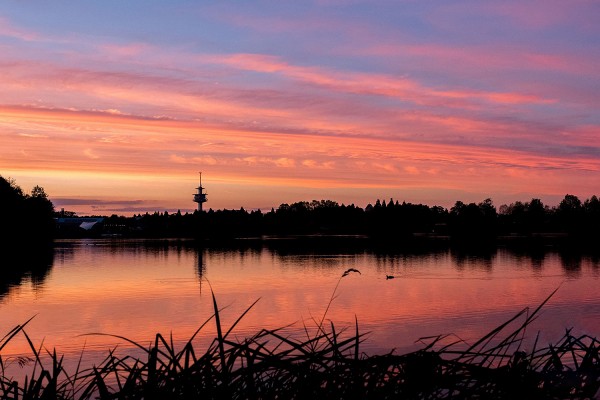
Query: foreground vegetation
x,y
326,364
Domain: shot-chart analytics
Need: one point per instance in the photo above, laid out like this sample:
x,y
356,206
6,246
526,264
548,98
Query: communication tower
x,y
200,197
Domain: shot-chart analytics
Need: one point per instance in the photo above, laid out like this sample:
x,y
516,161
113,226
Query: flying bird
x,y
389,277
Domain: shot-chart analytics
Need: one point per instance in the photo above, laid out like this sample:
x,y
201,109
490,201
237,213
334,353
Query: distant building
x,y
200,197
79,226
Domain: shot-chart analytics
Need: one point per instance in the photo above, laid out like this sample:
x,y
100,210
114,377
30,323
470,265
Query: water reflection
x,y
571,263
136,288
537,260
467,258
200,265
34,264
25,264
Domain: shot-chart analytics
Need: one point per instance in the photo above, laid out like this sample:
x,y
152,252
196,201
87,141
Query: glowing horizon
x,y
276,104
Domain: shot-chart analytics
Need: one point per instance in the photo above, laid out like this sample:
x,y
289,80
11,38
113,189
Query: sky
x,y
114,107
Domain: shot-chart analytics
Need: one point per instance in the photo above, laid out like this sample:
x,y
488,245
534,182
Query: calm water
x,y
138,288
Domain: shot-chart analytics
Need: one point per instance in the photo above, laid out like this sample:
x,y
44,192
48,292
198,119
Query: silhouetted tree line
x,y
572,216
24,216
302,218
31,217
384,221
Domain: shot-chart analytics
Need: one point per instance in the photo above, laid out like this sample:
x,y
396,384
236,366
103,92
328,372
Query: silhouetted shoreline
x,y
353,244
571,224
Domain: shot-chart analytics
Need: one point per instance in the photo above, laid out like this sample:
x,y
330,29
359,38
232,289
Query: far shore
x,y
417,241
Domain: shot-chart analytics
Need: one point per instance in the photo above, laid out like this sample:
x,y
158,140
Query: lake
x,y
137,288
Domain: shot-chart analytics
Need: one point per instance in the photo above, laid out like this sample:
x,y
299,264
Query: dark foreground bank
x,y
326,364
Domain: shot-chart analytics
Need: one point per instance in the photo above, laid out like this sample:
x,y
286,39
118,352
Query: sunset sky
x,y
114,106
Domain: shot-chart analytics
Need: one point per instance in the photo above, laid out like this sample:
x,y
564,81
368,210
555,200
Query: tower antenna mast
x,y
200,196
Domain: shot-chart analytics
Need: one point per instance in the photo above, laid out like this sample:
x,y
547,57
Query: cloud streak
x,y
385,97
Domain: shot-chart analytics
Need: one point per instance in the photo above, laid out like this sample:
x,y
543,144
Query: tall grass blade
x,y
328,364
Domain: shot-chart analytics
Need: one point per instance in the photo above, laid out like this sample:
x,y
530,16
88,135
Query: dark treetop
x,y
24,217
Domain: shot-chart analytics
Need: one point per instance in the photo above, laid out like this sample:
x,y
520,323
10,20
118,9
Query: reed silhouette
x,y
327,364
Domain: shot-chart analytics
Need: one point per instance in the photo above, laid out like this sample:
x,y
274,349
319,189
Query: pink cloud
x,y
7,28
127,50
372,83
200,160
484,59
301,24
546,13
281,162
443,130
412,170
259,108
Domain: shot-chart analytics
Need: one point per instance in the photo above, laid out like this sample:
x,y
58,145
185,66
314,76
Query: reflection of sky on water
x,y
136,290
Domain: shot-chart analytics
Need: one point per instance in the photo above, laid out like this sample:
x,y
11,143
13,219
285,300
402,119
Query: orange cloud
x,y
70,148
